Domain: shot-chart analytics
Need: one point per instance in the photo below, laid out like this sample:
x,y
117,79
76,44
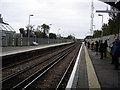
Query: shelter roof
x,y
114,3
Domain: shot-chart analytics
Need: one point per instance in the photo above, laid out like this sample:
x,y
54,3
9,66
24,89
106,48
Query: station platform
x,y
13,50
91,72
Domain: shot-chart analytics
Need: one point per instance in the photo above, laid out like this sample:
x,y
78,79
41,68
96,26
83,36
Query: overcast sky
x,y
66,16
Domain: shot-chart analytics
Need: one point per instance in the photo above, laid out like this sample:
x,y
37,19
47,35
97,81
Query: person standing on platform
x,y
88,44
117,54
105,48
113,52
92,45
101,49
96,47
85,42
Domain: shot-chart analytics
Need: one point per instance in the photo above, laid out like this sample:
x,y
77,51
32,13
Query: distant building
x,y
6,33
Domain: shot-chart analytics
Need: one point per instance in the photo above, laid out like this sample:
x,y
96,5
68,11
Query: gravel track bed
x,y
52,77
23,65
28,73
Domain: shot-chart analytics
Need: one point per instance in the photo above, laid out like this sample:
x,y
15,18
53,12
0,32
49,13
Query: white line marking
x,y
72,76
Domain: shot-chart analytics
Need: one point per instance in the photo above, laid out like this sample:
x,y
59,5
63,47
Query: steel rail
x,y
65,73
5,79
35,57
31,79
20,63
72,76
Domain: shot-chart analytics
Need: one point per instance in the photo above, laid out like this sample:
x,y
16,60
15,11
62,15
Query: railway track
x,y
46,52
37,59
63,81
19,71
12,58
27,77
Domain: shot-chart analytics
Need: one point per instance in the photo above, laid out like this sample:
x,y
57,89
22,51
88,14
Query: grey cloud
x,y
72,16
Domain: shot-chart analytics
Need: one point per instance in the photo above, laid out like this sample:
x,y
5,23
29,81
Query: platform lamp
x,y
102,22
29,28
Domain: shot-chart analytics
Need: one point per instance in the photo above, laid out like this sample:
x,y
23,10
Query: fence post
x,y
13,40
21,36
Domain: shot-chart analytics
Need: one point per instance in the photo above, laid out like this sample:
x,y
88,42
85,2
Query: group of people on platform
x,y
101,47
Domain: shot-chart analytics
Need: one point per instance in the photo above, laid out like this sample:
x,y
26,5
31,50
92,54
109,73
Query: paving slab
x,y
95,73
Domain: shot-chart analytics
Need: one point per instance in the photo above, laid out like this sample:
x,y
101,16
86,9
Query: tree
x,y
105,30
38,28
89,37
113,26
70,37
45,30
39,34
114,23
118,22
52,36
97,33
22,31
30,29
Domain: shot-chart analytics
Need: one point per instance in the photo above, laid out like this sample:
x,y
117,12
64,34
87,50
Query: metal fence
x,y
17,40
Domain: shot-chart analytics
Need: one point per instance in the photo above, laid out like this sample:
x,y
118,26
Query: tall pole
x,y
94,27
92,16
28,30
102,23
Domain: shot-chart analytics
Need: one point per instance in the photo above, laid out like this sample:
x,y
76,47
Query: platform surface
x,y
13,50
95,73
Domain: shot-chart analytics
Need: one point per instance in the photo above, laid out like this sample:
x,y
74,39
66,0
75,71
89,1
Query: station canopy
x,y
5,26
114,3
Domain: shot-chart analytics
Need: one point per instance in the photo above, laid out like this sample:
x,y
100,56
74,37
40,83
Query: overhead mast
x,y
92,16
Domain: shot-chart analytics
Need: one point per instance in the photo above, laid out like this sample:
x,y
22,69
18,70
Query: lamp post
x,y
94,27
29,28
102,22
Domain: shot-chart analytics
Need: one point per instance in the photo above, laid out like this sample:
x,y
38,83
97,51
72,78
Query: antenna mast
x,y
92,16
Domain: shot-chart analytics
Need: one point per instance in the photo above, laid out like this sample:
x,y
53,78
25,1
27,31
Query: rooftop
x,y
5,26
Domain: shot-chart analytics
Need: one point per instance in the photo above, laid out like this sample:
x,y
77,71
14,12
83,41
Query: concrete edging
x,y
71,83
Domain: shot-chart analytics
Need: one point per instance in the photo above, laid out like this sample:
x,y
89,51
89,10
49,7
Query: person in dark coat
x,y
88,44
85,42
96,47
113,52
117,54
92,45
105,48
101,49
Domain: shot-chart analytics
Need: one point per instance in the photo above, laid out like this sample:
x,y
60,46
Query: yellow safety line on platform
x,y
92,78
